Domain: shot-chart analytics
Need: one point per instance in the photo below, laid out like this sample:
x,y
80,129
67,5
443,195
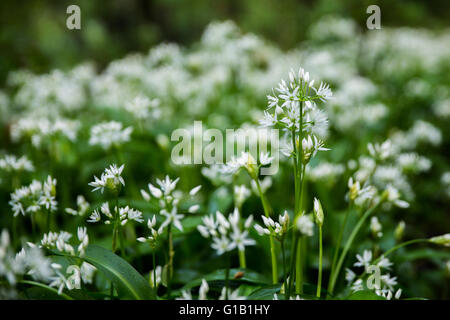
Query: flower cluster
x,y
109,134
143,108
125,214
226,234
276,229
10,163
168,199
383,284
36,197
248,162
111,178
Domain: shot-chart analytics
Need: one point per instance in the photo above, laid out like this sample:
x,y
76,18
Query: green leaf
x,y
364,295
265,293
219,276
127,281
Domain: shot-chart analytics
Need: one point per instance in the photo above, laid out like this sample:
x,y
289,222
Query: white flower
x,y
194,208
167,185
194,191
241,193
376,227
240,240
233,295
222,245
155,191
172,217
98,184
107,134
10,163
324,92
364,260
114,173
305,225
204,288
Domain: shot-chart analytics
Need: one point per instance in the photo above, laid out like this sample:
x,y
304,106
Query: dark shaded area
x,y
34,35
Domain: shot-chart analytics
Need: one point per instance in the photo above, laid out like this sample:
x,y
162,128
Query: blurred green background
x,y
33,33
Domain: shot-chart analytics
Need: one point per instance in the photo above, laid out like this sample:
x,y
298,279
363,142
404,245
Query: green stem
x,y
242,262
267,210
292,267
41,285
348,244
400,245
299,267
170,264
227,275
154,270
338,244
299,264
319,281
283,253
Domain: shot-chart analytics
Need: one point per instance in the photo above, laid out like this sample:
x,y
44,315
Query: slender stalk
x,y
400,245
154,270
227,275
292,267
267,210
283,253
171,255
299,264
319,281
242,262
48,221
121,242
348,245
299,267
339,240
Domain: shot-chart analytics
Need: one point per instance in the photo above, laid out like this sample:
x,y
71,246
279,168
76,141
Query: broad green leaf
x,y
364,295
265,293
127,281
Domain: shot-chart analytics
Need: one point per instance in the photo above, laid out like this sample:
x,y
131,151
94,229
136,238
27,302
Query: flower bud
x,y
318,212
442,240
399,230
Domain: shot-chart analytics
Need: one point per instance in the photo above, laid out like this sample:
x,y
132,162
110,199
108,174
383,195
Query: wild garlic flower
x,y
12,266
156,282
441,240
248,162
294,109
360,195
37,197
73,277
42,130
168,199
318,212
154,233
10,163
226,234
305,225
232,295
202,292
122,214
109,134
60,241
82,207
265,184
381,151
241,193
380,286
142,107
276,229
111,178
376,227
